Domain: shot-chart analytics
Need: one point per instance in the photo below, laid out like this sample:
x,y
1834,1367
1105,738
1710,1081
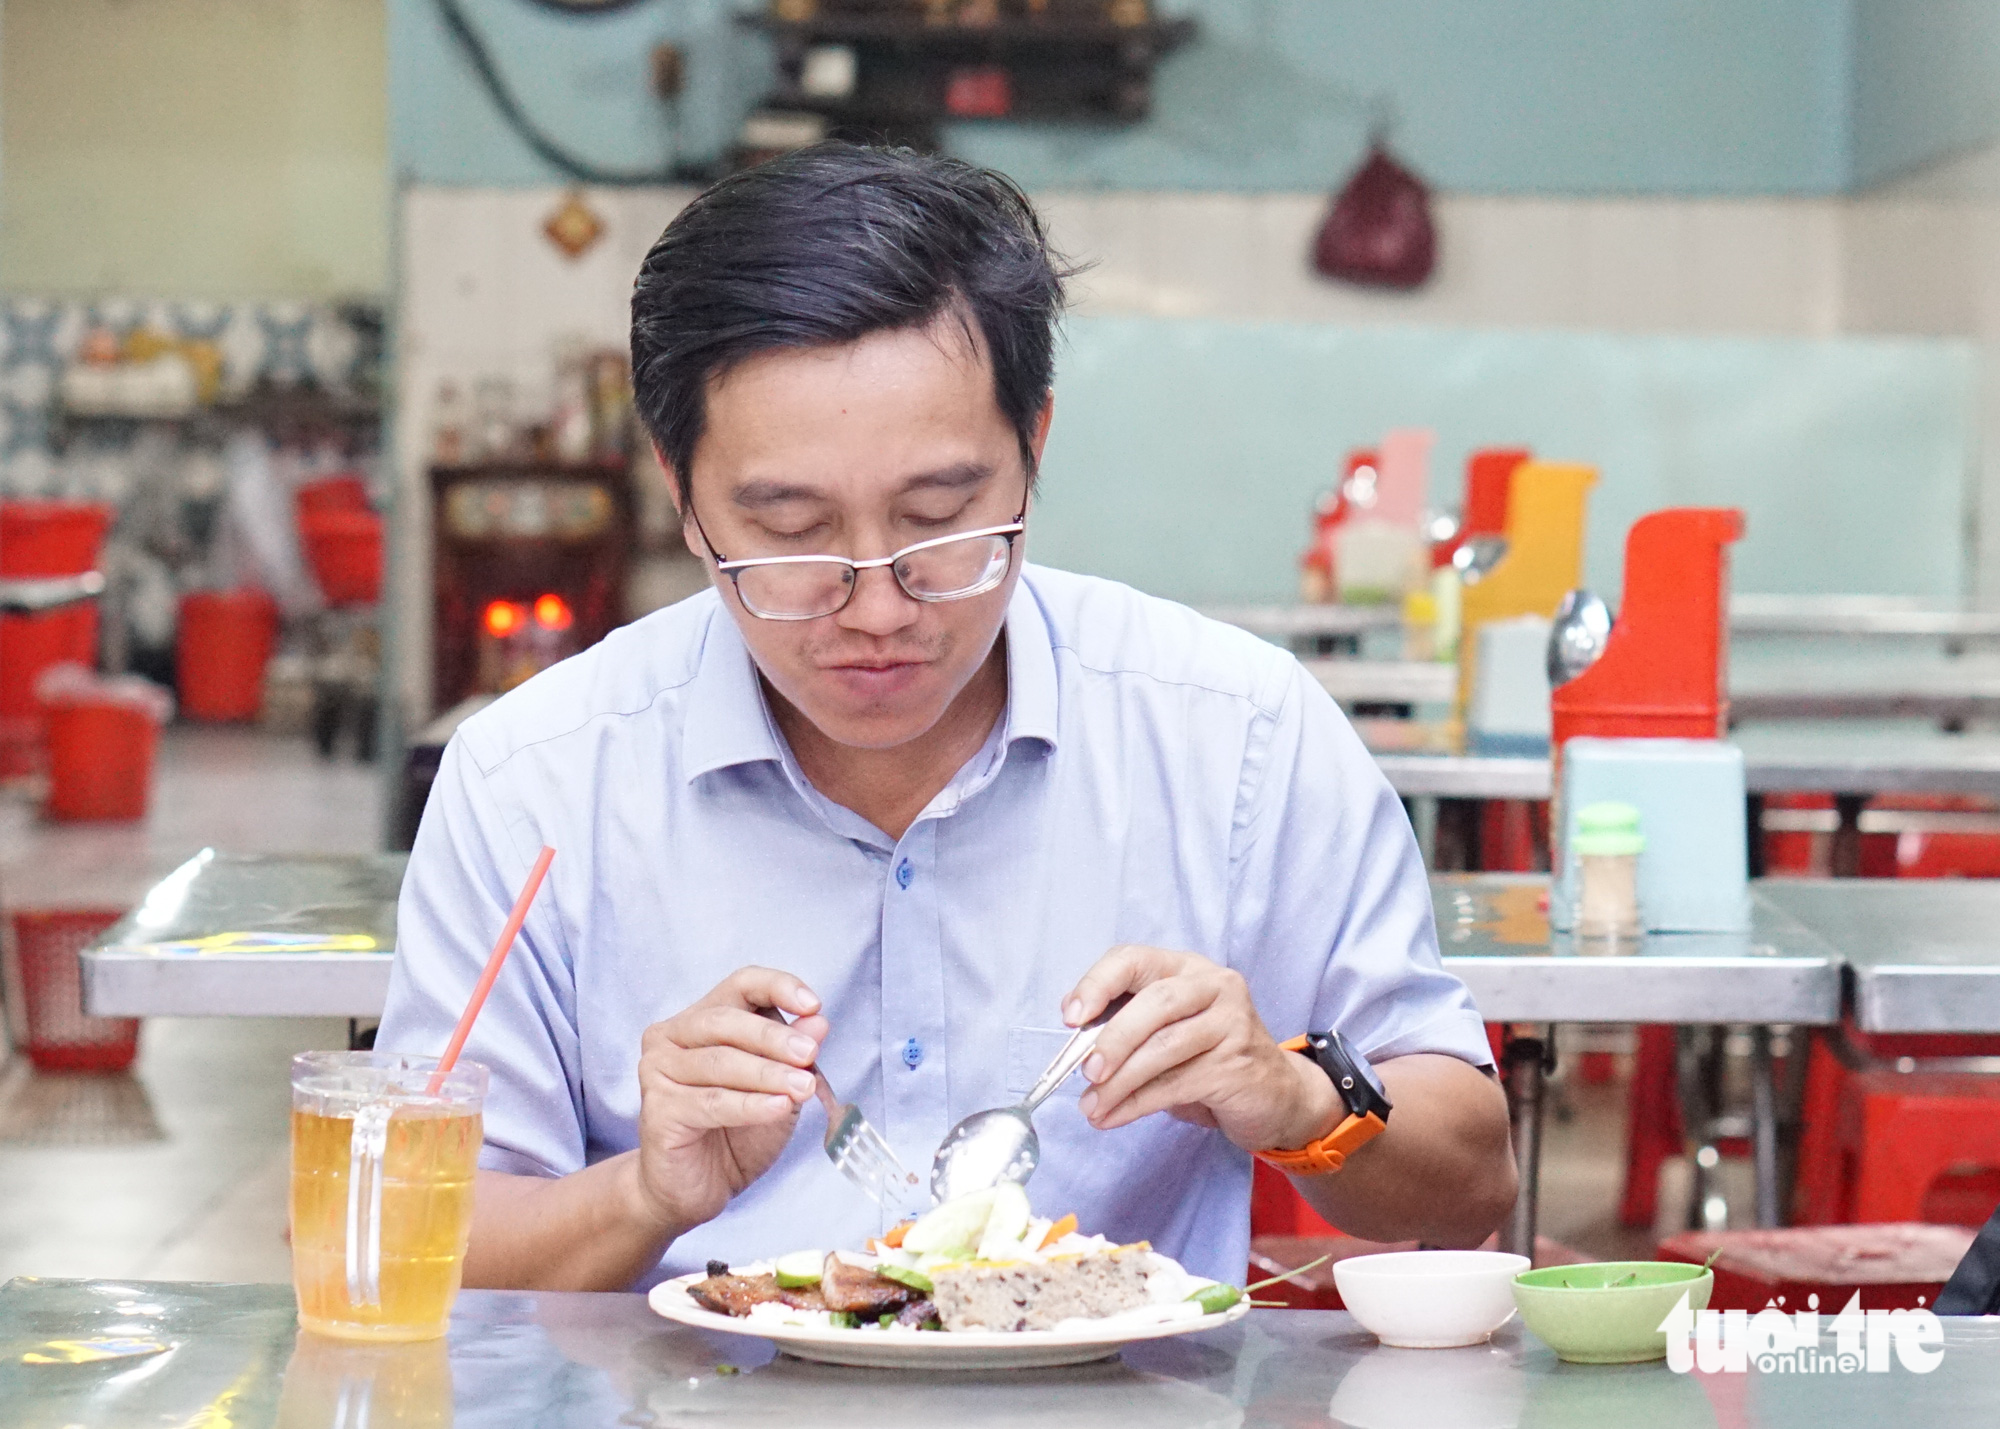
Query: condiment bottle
x,y
1606,847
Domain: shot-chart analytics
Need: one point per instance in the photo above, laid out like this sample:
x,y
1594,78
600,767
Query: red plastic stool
x,y
1879,1144
1893,1267
45,988
1654,1132
1514,836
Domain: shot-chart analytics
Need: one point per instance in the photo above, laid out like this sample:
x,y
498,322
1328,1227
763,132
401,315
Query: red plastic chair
x,y
1878,1144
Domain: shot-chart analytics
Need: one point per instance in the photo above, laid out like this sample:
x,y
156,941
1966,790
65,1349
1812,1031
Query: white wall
x,y
229,149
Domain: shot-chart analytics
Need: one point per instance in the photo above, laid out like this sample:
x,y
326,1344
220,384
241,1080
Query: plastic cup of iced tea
x,y
381,1191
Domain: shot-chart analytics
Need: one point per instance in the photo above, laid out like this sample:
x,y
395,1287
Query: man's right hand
x,y
720,1087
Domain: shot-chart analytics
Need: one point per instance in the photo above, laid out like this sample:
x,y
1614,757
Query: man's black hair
x,y
826,245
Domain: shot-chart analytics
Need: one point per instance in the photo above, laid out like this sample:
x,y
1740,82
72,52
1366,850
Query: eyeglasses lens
x,y
955,569
796,591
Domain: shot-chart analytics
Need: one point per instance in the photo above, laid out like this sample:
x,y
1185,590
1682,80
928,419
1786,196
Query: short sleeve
x,y
468,865
1331,920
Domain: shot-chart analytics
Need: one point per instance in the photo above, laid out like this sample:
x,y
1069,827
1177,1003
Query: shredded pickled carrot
x,y
1057,1231
893,1237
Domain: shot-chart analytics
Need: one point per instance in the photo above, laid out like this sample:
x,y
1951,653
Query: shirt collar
x,y
1031,669
728,722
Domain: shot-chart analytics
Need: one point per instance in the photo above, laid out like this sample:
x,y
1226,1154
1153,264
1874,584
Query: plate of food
x,y
980,1282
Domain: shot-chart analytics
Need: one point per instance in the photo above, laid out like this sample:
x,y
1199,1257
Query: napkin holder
x,y
1509,710
1690,796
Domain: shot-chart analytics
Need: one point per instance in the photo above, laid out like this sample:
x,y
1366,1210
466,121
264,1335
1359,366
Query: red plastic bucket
x,y
345,491
225,640
48,984
29,644
100,760
43,538
344,549
51,538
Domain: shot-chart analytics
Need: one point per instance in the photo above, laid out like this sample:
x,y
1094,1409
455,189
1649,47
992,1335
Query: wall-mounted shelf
x,y
1059,70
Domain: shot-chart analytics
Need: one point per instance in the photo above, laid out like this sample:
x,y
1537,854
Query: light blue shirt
x,y
1157,778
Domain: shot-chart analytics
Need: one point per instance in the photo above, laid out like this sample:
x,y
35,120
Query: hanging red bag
x,y
1379,231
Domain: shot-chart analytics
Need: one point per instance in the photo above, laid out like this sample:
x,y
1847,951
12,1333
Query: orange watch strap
x,y
1331,1151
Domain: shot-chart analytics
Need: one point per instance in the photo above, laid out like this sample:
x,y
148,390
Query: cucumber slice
x,y
1006,1223
954,1226
800,1269
906,1275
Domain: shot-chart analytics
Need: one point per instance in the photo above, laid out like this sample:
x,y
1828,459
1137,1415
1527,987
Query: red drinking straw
x,y
493,962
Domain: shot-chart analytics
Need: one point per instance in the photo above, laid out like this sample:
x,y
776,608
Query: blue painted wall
x,y
1926,82
1498,96
1186,454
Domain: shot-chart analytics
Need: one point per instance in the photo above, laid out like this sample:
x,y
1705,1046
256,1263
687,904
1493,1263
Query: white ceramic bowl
x,y
1430,1299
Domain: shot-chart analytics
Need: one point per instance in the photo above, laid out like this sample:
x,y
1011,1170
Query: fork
x,y
855,1148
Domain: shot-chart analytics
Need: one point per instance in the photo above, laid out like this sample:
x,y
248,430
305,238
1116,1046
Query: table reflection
x,y
337,1384
1512,1383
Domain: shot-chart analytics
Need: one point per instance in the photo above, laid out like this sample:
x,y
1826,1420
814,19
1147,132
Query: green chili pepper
x,y
843,1320
1214,1299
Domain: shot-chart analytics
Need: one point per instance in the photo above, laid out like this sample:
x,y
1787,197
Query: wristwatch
x,y
1360,1091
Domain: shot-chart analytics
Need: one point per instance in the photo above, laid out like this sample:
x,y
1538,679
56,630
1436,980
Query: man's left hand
x,y
1191,1043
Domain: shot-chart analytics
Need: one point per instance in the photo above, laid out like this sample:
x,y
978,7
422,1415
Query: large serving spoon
x,y
989,1147
1577,636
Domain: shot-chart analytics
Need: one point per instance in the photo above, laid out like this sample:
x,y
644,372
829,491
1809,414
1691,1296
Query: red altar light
x,y
552,612
503,617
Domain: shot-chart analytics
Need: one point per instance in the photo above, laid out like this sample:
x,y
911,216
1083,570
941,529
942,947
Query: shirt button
x,y
913,1050
904,873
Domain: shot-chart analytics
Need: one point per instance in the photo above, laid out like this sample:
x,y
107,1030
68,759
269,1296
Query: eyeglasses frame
x,y
734,568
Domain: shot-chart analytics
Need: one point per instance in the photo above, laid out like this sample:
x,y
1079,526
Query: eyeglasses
x,y
808,587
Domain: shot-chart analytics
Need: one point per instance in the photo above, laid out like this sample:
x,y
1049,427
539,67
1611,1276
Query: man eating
x,y
932,804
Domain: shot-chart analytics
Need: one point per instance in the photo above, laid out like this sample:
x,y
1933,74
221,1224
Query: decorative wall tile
x,y
281,342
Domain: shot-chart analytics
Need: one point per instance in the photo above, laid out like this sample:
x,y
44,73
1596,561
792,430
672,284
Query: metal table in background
x,y
571,1361
1854,765
1951,693
290,937
230,935
1921,955
1494,933
1903,618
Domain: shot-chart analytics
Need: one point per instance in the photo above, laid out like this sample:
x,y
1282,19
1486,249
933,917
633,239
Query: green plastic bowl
x,y
1586,1315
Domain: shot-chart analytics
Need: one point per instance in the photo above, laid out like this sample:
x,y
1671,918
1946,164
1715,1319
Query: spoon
x,y
1578,635
989,1147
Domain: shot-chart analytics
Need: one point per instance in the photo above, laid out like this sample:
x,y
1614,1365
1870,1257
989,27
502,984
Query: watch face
x,y
1359,1085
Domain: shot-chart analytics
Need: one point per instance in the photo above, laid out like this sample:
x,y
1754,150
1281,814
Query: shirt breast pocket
x,y
1029,1052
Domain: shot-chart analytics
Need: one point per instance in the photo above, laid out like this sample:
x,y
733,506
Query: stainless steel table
x,y
1858,616
226,936
1947,691
566,1361
1308,622
1386,682
1944,690
1494,933
1853,764
1831,616
231,935
1921,956
1495,936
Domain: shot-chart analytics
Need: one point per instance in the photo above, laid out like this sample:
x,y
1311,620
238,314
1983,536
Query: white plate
x,y
965,1349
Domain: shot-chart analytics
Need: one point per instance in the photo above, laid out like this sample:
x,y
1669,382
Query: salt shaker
x,y
1607,846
